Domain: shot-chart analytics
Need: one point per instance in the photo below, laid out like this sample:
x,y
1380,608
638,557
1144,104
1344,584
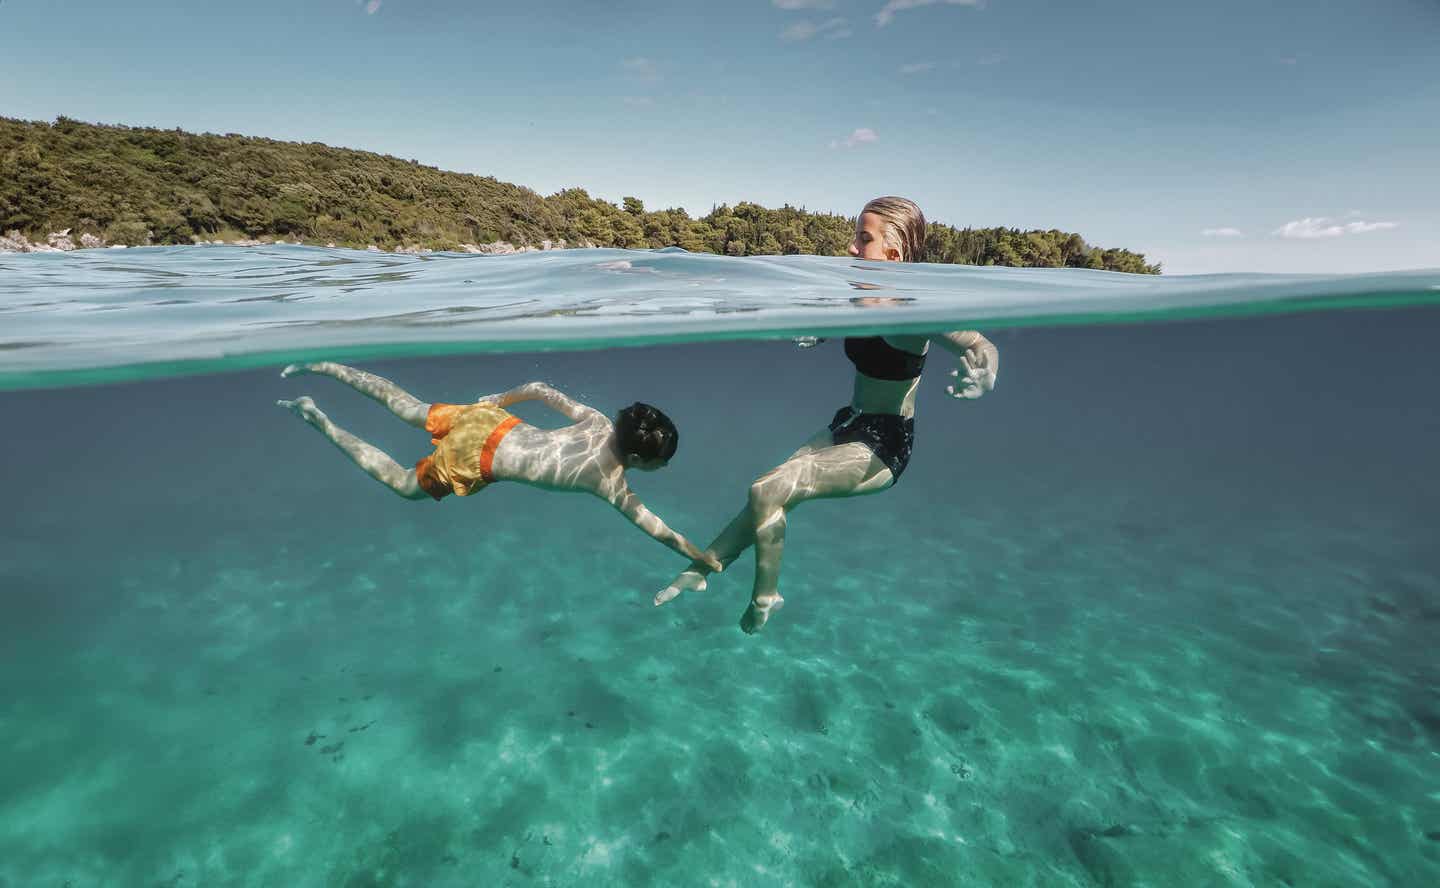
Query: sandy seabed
x,y
1084,642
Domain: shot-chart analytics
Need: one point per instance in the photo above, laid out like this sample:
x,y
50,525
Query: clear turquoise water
x,y
1160,610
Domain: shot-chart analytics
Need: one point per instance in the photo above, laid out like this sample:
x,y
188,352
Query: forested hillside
x,y
137,186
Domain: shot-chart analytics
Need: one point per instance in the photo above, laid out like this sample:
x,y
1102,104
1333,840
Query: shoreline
x,y
63,242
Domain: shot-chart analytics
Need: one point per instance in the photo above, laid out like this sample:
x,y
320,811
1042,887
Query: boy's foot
x,y
756,615
304,407
293,369
688,581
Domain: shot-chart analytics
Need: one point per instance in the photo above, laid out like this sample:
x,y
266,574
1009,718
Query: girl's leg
x,y
839,470
737,536
376,463
377,388
733,540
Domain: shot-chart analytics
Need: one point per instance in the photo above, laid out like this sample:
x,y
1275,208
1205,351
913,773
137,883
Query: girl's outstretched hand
x,y
975,376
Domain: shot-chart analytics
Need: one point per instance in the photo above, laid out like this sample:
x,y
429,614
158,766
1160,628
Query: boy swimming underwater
x,y
479,444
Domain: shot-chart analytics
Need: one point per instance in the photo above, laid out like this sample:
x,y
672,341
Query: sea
x,y
1161,609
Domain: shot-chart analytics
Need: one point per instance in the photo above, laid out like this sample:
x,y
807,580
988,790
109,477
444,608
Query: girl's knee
x,y
761,497
769,521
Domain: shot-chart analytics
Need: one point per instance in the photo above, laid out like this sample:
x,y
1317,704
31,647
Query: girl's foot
x,y
688,581
756,614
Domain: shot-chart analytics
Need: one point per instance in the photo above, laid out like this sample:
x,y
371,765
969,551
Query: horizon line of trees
x,y
137,185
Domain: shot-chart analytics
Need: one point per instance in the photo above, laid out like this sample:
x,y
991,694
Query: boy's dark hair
x,y
646,432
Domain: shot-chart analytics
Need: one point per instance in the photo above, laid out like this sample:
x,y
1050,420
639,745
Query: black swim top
x,y
878,359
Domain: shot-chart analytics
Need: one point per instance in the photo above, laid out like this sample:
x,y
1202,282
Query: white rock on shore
x,y
503,248
55,242
62,242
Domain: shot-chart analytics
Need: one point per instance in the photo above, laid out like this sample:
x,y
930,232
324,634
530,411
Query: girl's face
x,y
869,242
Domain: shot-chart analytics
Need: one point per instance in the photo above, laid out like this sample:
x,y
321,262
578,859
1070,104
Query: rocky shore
x,y
56,242
63,242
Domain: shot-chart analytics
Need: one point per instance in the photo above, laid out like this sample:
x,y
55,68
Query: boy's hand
x,y
704,558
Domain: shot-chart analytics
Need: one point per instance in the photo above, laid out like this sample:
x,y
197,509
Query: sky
x,y
1221,136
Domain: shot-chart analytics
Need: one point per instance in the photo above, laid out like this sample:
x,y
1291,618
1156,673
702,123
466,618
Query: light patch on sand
x,y
1061,751
599,853
782,841
1225,865
512,748
1144,679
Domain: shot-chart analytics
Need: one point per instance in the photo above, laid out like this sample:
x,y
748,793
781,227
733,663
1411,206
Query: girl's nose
x,y
851,249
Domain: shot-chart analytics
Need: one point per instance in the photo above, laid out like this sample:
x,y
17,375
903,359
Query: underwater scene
x,y
1160,609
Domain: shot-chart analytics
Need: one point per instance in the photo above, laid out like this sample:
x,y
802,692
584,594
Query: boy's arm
x,y
539,391
979,359
630,506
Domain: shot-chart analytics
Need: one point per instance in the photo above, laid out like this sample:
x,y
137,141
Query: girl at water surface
x,y
866,447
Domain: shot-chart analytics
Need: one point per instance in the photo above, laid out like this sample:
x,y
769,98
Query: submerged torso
x,y
573,457
893,358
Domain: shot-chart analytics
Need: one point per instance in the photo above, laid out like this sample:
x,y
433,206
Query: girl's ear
x,y
892,254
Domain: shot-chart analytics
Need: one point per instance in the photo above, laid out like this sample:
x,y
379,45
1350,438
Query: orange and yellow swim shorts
x,y
465,438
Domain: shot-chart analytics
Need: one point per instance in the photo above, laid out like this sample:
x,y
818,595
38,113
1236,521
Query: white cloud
x,y
805,4
372,7
1323,226
917,68
641,67
860,137
832,29
887,12
1223,232
638,101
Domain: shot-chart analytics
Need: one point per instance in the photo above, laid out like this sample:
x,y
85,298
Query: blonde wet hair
x,y
904,226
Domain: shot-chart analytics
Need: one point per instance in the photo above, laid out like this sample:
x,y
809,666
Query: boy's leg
x,y
376,463
377,388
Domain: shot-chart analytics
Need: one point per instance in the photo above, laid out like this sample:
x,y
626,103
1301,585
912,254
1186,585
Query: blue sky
x,y
1221,136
